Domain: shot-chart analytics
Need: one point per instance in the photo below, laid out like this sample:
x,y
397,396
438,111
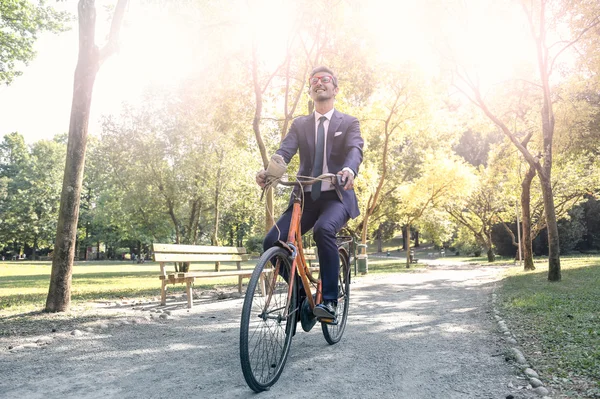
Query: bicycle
x,y
271,308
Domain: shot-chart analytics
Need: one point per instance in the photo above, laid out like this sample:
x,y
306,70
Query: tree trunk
x,y
215,233
407,245
526,239
554,273
490,255
269,220
365,224
35,247
545,172
59,295
489,246
379,241
88,63
417,244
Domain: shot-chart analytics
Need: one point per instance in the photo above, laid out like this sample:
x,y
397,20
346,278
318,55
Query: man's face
x,y
321,91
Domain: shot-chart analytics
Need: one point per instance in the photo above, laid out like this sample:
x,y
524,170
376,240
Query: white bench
x,y
166,253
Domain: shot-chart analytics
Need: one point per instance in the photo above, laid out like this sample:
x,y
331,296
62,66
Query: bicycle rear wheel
x,y
333,332
268,322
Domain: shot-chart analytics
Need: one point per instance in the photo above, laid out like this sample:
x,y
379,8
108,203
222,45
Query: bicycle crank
x,y
307,318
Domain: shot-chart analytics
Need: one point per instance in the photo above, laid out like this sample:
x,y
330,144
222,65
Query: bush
x,y
503,241
254,244
120,251
464,243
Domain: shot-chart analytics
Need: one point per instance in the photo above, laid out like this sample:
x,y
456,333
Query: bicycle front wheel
x,y
333,332
268,320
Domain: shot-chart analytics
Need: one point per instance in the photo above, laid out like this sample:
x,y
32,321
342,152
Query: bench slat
x,y
197,249
158,257
228,273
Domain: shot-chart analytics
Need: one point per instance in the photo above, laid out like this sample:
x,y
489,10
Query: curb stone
x,y
509,338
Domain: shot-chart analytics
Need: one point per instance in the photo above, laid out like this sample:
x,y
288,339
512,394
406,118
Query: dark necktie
x,y
318,165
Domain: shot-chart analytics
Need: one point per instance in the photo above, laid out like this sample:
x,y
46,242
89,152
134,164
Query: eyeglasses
x,y
323,79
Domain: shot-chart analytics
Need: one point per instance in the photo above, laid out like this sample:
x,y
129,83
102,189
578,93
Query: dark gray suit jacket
x,y
344,149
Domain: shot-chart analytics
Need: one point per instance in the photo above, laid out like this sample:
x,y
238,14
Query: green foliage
x,y
437,227
20,23
465,243
592,220
474,147
254,244
32,180
571,230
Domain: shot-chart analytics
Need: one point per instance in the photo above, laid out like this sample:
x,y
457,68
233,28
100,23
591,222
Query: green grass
x,y
384,265
558,323
391,245
24,285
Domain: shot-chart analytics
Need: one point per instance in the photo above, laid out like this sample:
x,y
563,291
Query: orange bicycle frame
x,y
295,238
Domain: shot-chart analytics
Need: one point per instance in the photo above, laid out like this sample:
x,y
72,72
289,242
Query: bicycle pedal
x,y
324,320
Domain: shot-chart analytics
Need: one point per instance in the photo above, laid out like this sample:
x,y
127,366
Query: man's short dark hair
x,y
327,70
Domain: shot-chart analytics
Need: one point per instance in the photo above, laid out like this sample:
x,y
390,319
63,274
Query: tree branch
x,y
115,28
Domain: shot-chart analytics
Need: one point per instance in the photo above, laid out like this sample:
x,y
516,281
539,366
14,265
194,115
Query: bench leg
x,y
188,290
263,289
163,293
239,267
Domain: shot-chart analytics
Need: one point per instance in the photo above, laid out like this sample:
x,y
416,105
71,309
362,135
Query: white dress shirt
x,y
325,186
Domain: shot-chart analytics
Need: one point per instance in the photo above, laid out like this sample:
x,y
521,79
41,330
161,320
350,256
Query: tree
x,y
401,108
542,18
444,180
301,53
20,23
36,195
89,62
14,158
481,210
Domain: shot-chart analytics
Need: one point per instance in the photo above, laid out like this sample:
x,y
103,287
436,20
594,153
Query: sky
x,y
38,103
155,50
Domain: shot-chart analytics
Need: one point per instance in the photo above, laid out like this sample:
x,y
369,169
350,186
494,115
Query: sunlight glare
x,y
155,50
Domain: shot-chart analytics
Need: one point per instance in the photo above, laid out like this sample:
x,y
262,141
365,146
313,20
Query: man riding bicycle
x,y
328,142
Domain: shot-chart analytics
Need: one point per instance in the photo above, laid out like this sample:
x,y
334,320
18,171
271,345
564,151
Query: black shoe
x,y
326,310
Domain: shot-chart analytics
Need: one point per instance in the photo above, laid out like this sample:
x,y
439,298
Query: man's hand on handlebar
x,y
261,178
347,179
275,170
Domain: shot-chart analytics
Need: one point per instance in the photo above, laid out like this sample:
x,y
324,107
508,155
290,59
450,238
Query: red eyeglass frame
x,y
319,78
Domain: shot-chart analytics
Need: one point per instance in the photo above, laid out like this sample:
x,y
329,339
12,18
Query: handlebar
x,y
300,181
307,181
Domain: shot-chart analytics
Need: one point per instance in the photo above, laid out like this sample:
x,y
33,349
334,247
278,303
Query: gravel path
x,y
428,334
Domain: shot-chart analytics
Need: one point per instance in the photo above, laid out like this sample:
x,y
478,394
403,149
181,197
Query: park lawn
x,y
558,324
393,265
24,285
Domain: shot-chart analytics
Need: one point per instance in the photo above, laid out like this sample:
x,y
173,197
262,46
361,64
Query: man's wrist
x,y
349,170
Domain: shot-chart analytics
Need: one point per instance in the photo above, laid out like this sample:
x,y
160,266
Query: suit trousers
x,y
326,216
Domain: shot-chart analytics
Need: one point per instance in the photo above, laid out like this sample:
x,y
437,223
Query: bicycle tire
x,y
333,332
265,334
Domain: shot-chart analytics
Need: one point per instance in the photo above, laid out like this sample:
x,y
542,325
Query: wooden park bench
x,y
166,253
310,256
